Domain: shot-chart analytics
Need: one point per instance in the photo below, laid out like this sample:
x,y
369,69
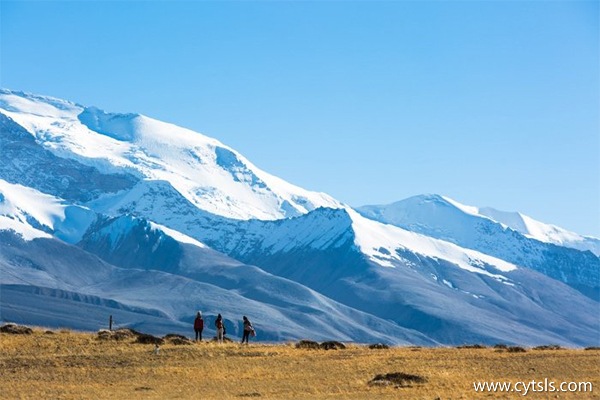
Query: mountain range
x,y
121,214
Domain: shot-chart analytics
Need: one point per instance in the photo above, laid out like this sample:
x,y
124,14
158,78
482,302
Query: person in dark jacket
x,y
248,330
198,326
220,328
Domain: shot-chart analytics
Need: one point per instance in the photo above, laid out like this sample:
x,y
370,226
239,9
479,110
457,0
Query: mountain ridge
x,y
164,212
395,214
437,216
210,174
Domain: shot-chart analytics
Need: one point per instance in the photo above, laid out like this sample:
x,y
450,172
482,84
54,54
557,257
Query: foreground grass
x,y
68,365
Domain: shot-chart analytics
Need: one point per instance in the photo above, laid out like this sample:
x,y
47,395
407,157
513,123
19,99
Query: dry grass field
x,y
68,365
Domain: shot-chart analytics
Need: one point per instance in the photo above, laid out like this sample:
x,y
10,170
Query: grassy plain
x,y
69,365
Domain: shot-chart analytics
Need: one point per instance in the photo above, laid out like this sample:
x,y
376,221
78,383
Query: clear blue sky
x,y
491,103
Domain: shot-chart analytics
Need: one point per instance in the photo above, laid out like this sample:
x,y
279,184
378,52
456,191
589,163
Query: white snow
x,y
208,173
180,237
444,217
20,207
532,228
20,201
35,106
543,232
26,231
466,209
372,236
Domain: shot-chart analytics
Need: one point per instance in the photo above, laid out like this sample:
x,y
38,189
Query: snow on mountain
x,y
209,174
543,232
150,199
370,235
416,291
380,242
432,286
30,164
162,275
178,236
466,226
35,215
175,221
447,217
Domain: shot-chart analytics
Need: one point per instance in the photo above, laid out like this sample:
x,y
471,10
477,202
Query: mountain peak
x,y
209,174
445,218
14,102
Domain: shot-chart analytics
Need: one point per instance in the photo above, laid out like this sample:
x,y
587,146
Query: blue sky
x,y
491,103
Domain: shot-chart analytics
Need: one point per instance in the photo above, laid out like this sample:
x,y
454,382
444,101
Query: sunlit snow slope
x,y
33,214
208,173
444,217
567,257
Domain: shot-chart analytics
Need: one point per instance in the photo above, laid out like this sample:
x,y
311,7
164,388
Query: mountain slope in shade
x,y
36,290
421,283
209,174
151,278
446,219
424,284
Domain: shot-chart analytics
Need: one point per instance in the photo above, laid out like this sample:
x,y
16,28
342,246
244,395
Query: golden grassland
x,y
69,365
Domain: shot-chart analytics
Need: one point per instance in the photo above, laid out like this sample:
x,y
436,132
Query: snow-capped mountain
x,y
447,216
209,174
122,213
156,276
27,162
421,283
569,257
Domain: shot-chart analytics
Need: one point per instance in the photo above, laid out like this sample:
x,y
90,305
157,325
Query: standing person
x,y
220,328
198,326
248,330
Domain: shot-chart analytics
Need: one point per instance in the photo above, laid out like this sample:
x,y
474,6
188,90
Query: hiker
x,y
220,328
248,330
198,326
